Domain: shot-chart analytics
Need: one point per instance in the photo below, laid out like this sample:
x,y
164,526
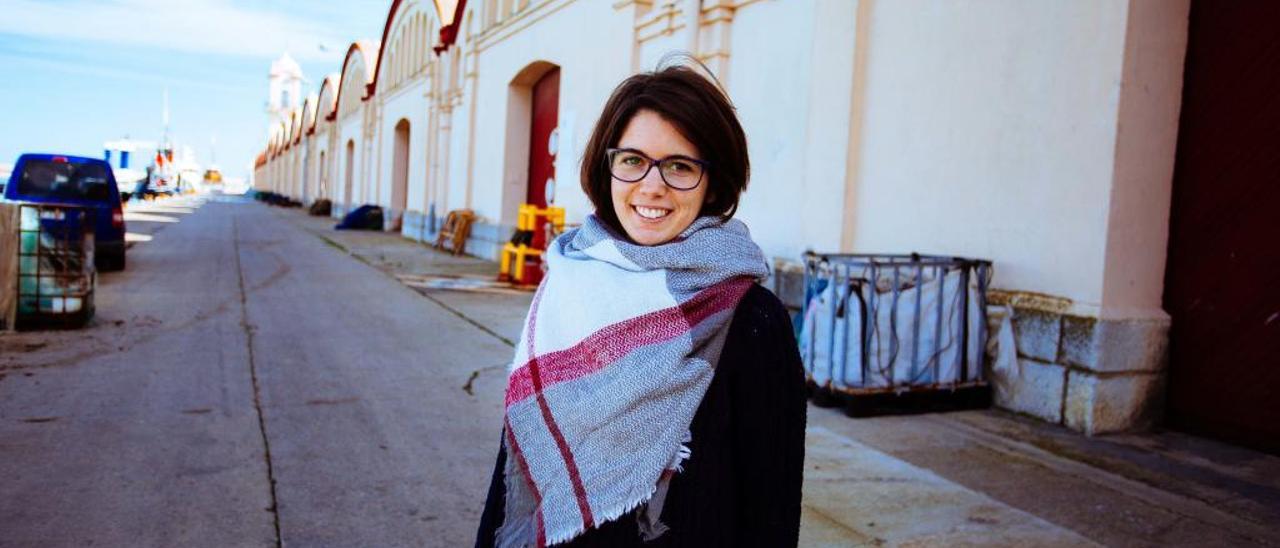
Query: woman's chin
x,y
649,233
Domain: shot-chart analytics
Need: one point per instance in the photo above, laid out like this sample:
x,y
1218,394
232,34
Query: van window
x,y
65,180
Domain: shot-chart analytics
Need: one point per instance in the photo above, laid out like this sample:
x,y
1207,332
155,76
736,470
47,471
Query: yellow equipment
x,y
520,247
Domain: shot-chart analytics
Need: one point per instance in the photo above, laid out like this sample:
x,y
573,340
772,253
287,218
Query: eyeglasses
x,y
678,172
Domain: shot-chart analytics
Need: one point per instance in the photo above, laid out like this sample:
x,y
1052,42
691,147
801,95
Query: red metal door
x,y
545,117
546,111
1222,284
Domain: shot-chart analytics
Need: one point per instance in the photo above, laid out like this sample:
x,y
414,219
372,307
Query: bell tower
x,y
286,87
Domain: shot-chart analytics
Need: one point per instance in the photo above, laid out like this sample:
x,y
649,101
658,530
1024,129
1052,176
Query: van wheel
x,y
112,262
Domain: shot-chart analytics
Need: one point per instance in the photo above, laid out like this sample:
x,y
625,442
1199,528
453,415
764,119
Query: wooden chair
x,y
456,229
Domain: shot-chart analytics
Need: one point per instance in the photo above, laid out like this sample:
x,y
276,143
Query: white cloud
x,y
97,70
196,26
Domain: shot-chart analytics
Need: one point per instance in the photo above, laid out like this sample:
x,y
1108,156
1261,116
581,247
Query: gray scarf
x,y
617,351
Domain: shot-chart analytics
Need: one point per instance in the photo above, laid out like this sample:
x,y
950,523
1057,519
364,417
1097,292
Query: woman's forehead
x,y
650,133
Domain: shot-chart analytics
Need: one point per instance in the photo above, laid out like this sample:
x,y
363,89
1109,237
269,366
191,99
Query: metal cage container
x,y
884,324
56,276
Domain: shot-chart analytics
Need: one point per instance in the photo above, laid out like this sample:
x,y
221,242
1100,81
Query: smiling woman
x,y
673,416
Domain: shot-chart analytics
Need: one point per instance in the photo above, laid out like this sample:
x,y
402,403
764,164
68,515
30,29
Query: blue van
x,y
73,180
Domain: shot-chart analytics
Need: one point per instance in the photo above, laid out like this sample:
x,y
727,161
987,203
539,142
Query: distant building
x,y
1039,135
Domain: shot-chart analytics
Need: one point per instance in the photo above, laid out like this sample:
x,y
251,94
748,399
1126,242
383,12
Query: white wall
x,y
591,64
792,98
989,131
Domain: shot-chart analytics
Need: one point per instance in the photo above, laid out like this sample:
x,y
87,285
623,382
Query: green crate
x,y
56,277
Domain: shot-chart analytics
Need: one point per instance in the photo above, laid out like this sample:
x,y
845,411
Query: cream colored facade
x,y
1038,135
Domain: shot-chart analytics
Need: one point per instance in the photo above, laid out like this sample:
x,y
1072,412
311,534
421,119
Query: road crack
x,y
469,388
249,332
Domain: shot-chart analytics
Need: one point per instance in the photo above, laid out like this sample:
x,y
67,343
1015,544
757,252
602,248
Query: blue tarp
x,y
365,217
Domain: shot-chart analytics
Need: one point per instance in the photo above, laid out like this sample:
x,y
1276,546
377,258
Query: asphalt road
x,y
246,384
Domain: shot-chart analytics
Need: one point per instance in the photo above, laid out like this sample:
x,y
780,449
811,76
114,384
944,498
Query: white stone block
x,y
1037,333
1112,346
1102,404
1031,387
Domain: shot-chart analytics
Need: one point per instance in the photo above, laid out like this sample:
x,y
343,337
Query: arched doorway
x,y
529,159
350,175
524,148
399,175
322,190
307,184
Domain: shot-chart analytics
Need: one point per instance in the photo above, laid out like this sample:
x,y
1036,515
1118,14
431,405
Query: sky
x,y
78,73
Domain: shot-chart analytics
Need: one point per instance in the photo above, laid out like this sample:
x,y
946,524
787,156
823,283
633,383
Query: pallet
x,y
906,402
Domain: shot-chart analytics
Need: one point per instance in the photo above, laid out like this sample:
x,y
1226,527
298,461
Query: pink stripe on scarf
x,y
613,342
575,478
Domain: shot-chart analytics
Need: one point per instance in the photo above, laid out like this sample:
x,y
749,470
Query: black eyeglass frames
x,y
678,172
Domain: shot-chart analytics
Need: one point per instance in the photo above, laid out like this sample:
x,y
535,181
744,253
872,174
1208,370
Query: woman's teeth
x,y
652,212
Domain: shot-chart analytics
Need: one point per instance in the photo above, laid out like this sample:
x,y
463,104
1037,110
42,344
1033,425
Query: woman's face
x,y
651,212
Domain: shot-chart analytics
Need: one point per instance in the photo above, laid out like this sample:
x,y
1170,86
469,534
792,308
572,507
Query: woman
x,y
656,396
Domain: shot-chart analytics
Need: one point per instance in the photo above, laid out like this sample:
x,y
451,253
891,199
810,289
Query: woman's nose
x,y
652,182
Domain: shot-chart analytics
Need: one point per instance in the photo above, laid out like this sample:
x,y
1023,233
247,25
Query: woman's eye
x,y
631,160
680,167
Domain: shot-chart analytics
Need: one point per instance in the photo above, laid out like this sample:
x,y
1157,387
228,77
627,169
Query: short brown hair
x,y
699,110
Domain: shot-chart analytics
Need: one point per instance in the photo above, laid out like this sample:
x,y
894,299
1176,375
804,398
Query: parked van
x,y
78,181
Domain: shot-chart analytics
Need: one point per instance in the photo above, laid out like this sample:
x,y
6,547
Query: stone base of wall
x,y
418,227
1091,374
487,239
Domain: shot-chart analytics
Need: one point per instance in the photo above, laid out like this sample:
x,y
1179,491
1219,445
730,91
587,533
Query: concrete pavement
x,y
970,478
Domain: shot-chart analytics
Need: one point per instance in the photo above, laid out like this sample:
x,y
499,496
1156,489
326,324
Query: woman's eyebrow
x,y
651,157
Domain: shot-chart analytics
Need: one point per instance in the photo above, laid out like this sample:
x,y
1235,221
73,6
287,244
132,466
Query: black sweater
x,y
741,486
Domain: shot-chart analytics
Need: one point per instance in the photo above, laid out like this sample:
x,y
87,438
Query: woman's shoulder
x,y
760,352
760,324
760,309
